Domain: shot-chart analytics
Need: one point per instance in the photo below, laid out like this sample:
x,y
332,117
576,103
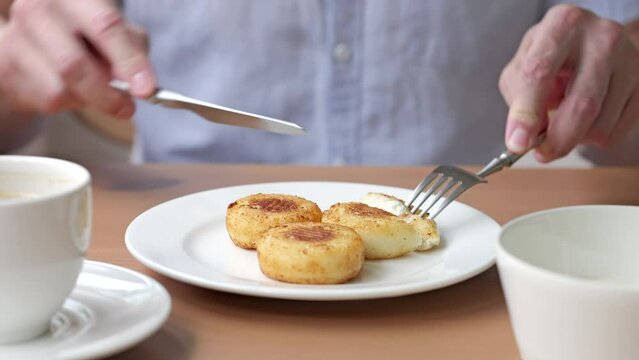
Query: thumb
x,y
139,37
524,121
527,116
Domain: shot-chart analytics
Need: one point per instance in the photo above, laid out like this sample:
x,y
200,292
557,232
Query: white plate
x,y
110,309
186,239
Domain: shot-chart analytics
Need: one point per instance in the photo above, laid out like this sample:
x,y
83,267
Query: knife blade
x,y
216,113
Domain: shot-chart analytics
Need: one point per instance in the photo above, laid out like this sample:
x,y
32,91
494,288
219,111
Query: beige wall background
x,y
89,137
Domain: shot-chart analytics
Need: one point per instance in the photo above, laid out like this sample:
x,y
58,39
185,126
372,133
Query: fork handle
x,y
507,158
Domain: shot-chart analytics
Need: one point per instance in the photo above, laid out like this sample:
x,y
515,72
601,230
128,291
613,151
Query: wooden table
x,y
464,321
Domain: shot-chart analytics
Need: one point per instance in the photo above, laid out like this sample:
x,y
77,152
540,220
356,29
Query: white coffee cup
x,y
571,280
45,227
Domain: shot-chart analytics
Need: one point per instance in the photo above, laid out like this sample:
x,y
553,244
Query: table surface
x,y
468,320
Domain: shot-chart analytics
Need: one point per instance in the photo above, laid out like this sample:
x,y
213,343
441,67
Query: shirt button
x,y
342,52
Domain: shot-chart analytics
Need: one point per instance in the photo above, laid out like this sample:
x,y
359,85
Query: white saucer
x,y
110,309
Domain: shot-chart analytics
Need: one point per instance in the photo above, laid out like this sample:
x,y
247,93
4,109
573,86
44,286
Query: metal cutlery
x,y
216,113
446,183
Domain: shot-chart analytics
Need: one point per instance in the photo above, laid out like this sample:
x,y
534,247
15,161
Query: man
x,y
376,82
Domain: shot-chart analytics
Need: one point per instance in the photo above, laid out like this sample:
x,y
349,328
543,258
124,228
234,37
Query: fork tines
x,y
439,189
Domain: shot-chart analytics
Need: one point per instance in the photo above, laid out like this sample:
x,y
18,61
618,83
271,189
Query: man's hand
x,y
584,67
57,55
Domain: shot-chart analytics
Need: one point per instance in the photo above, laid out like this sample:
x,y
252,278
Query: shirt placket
x,y
344,97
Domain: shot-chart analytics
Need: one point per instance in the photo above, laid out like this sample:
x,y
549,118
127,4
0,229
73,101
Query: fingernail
x,y
518,141
142,83
544,149
540,157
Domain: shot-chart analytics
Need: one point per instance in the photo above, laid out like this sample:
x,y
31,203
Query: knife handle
x,y
120,85
124,87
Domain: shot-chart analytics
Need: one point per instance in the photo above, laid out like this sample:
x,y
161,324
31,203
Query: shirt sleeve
x,y
622,11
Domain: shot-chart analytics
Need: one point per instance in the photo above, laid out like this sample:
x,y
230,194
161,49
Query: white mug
x,y
45,228
571,281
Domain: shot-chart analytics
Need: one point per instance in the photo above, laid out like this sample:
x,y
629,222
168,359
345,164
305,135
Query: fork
x,y
446,183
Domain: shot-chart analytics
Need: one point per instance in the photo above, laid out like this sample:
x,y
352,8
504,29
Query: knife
x,y
216,113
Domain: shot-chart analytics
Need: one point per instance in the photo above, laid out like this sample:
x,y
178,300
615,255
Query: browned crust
x,y
273,204
317,233
311,253
385,235
249,217
365,210
362,210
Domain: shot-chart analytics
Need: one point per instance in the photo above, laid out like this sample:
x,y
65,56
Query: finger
x,y
560,87
580,107
103,25
628,107
629,119
139,37
81,72
619,91
535,74
623,82
508,72
34,84
7,66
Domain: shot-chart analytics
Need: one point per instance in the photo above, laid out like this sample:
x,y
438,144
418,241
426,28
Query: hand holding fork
x,y
446,183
